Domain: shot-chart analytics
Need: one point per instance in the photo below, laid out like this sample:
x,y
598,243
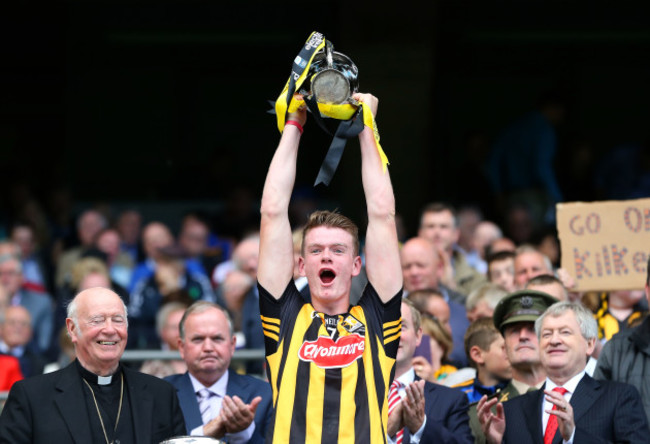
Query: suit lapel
x,y
587,392
188,402
71,403
141,403
581,401
237,386
533,413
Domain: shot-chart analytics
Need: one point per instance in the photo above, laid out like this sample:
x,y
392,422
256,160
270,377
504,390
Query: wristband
x,y
294,123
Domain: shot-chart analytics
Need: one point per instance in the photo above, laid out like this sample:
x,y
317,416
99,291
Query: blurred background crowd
x,y
131,161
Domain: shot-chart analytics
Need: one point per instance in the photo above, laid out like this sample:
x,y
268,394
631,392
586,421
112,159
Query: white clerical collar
x,y
104,380
94,378
218,388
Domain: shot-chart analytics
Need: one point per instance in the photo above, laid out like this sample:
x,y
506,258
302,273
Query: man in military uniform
x,y
515,317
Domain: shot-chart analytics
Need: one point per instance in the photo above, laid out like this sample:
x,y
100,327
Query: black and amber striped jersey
x,y
329,374
608,324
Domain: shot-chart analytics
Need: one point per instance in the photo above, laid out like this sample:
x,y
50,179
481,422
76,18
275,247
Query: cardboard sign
x,y
605,245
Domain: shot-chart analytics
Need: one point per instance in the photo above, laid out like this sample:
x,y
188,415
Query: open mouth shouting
x,y
326,276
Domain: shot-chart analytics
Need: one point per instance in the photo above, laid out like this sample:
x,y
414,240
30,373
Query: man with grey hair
x,y
215,401
481,302
94,399
168,318
571,406
15,335
529,262
39,305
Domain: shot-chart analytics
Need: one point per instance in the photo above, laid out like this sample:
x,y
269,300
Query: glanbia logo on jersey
x,y
326,353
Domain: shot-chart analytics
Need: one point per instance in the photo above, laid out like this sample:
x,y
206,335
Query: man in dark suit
x,y
422,411
94,399
39,305
571,407
515,316
15,336
215,401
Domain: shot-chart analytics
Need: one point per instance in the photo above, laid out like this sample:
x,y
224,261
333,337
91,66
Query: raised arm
x,y
382,248
275,268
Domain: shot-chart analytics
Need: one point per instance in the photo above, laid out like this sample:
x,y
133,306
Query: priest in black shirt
x,y
94,399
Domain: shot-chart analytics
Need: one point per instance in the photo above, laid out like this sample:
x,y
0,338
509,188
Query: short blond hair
x,y
84,267
331,219
488,292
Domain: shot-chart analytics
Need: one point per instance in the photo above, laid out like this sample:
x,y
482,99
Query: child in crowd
x,y
485,350
501,270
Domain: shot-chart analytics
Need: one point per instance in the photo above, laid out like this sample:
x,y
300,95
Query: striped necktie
x,y
551,425
205,405
393,400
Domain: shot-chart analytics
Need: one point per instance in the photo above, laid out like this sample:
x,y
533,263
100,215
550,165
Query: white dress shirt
x,y
406,378
219,388
570,385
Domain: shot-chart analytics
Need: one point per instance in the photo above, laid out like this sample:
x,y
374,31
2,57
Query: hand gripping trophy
x,y
326,80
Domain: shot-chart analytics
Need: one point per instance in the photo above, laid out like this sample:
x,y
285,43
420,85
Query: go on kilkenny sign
x,y
605,245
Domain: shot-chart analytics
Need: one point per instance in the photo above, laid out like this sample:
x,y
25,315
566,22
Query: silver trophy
x,y
333,77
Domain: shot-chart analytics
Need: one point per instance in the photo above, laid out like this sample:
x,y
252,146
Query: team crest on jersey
x,y
353,325
327,353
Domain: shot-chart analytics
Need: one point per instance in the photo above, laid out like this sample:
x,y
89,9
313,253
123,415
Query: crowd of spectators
x,y
457,268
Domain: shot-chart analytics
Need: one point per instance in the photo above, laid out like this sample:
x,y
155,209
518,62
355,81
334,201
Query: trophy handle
x,y
328,54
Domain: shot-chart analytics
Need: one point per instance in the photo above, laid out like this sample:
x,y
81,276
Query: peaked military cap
x,y
521,306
